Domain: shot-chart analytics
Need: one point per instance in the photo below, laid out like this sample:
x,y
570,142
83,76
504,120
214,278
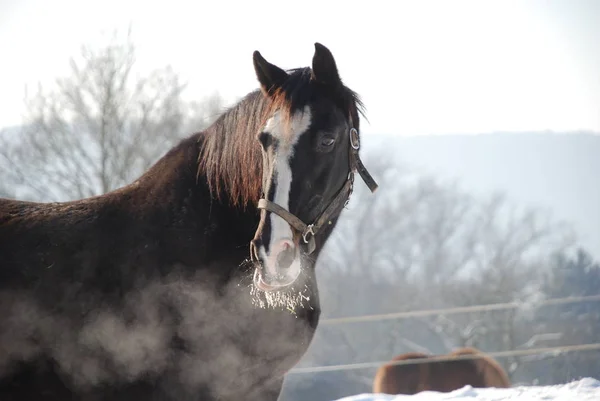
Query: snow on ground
x,y
587,389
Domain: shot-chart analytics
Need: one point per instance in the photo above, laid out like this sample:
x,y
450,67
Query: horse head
x,y
310,148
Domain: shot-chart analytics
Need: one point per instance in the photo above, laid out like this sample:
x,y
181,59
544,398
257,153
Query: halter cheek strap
x,y
309,231
356,162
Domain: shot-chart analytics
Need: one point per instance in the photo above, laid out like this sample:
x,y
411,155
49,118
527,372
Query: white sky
x,y
420,66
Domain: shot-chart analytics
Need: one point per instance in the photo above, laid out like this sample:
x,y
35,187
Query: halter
x,y
309,231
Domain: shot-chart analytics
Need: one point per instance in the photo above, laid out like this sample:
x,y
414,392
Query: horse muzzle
x,y
278,269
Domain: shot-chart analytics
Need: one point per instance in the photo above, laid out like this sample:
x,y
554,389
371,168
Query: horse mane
x,y
230,156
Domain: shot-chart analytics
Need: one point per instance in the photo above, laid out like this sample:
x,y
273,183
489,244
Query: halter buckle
x,y
354,139
309,230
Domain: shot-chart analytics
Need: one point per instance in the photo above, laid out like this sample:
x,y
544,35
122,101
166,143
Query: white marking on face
x,y
282,175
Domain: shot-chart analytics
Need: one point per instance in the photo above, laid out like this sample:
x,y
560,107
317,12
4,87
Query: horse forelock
x,y
300,89
230,154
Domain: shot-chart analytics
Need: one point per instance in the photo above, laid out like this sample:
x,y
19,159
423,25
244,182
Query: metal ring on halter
x,y
309,230
354,140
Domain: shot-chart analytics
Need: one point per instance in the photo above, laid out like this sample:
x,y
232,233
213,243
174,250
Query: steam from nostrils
x,y
121,344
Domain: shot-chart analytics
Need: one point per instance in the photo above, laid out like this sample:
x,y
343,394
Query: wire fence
x,y
556,350
457,310
498,354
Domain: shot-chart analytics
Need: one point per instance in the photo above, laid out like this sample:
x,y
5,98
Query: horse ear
x,y
324,69
270,76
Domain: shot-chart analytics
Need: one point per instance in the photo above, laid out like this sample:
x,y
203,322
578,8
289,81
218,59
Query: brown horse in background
x,y
439,375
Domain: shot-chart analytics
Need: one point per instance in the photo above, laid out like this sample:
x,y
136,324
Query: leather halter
x,y
309,231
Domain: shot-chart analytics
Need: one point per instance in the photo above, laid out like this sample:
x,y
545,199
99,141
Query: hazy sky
x,y
420,66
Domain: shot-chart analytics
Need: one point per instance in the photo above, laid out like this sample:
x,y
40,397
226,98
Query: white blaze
x,y
282,174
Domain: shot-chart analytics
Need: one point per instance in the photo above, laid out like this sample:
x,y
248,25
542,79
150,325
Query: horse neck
x,y
176,190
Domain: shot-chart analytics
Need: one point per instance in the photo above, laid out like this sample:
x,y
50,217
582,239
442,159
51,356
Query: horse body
x,y
145,249
439,375
181,286
400,379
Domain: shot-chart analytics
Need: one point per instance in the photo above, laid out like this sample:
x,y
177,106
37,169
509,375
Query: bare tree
x,y
99,127
204,111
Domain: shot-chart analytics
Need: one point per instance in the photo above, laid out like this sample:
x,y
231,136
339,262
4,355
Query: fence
x,y
449,311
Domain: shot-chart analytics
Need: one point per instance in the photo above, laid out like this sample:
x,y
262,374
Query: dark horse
x,y
196,281
462,367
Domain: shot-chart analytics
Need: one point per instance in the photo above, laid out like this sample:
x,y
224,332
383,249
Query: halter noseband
x,y
309,231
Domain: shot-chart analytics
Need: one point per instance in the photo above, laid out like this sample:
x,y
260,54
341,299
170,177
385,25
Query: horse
x,y
197,280
415,372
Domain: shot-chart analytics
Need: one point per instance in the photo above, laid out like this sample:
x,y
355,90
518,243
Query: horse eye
x,y
265,139
327,141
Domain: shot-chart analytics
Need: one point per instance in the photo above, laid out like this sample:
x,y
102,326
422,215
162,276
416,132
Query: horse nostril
x,y
286,256
285,259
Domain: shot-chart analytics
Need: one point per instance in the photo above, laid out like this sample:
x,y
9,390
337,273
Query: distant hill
x,y
559,171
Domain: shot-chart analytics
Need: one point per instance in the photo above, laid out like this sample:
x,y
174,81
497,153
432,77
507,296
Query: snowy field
x,y
587,389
